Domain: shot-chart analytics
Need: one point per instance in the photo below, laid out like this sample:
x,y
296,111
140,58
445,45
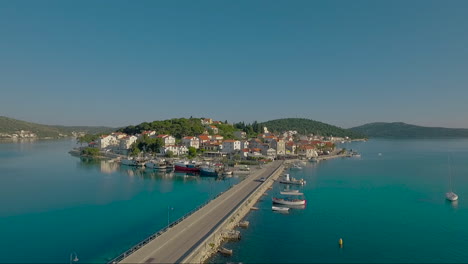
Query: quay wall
x,y
211,244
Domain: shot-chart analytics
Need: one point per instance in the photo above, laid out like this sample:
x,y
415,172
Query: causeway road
x,y
177,243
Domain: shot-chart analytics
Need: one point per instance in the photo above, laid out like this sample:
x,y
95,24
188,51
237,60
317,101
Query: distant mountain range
x,y
403,130
307,126
12,126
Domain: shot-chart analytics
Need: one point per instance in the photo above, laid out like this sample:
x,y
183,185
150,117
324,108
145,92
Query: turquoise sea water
x,y
388,208
52,204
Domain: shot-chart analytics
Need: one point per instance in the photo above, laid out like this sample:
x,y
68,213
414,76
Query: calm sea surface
x,y
53,204
387,208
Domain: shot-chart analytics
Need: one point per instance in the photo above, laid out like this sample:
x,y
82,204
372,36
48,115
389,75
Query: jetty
x,y
197,236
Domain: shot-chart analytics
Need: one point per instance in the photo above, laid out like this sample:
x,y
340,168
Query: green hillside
x,y
307,126
10,126
403,130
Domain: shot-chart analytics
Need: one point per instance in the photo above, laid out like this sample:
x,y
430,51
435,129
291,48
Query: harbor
x,y
198,236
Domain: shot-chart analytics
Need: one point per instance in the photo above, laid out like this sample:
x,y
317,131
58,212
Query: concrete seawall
x,y
210,245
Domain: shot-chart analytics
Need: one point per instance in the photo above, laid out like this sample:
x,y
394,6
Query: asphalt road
x,y
175,244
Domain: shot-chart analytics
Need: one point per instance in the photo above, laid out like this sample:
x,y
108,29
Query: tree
x,y
169,154
87,138
192,152
92,152
134,151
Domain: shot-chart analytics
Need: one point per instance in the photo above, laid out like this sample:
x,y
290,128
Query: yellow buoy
x,y
340,242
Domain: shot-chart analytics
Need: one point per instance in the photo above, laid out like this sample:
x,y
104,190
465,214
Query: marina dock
x,y
196,237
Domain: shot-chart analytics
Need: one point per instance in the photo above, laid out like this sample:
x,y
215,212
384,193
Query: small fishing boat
x,y
288,201
208,171
186,166
287,180
280,209
292,192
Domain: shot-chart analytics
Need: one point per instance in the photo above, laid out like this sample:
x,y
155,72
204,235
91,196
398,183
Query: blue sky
x,y
346,63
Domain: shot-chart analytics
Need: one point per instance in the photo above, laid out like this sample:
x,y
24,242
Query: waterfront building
x,y
107,142
279,145
290,147
126,142
231,146
191,142
168,139
307,151
176,150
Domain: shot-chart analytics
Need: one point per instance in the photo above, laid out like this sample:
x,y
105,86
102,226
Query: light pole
x,y
73,259
168,212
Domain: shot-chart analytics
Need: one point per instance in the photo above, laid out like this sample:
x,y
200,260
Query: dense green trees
x,y
92,152
87,138
177,127
307,126
403,130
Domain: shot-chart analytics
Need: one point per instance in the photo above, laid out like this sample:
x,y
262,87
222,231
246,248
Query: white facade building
x,y
231,146
191,142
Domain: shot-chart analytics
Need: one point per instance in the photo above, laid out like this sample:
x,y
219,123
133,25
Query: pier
x,y
197,236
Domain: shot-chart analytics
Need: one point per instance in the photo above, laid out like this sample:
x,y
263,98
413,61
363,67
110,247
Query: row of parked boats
x,y
290,198
207,169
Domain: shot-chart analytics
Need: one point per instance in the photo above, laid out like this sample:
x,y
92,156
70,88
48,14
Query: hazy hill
x,y
303,125
403,130
10,126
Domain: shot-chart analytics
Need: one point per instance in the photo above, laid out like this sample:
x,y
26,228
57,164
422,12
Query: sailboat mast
x,y
450,174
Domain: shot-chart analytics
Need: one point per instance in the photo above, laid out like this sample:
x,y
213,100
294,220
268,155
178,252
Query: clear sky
x,y
346,63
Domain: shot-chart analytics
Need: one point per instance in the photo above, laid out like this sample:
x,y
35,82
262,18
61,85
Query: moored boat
x,y
186,166
155,165
288,201
287,180
292,192
451,196
208,171
280,209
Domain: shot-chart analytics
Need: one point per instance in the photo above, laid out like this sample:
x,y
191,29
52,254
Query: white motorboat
x,y
292,192
288,201
280,209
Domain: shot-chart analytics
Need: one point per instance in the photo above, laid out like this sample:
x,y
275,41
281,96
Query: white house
x,y
240,134
206,121
231,146
107,141
176,150
244,144
126,142
168,139
216,138
279,145
191,142
307,151
149,133
214,129
269,152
